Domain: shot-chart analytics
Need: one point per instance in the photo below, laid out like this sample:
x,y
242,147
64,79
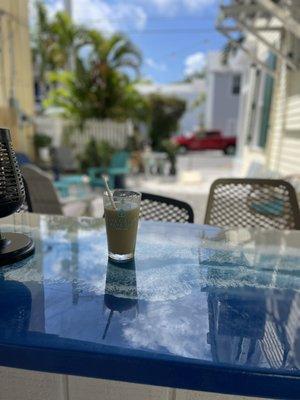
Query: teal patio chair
x,y
118,169
66,182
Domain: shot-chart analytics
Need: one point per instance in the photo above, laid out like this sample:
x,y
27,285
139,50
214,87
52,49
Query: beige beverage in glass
x,y
121,211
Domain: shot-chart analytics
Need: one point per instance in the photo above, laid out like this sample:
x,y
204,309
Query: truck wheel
x,y
229,150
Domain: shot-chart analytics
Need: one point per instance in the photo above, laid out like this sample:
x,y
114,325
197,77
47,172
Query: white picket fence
x,y
116,133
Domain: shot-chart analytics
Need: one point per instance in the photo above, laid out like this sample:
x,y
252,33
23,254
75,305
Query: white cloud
x,y
196,5
171,7
163,6
100,14
95,14
158,327
194,63
155,65
130,14
109,17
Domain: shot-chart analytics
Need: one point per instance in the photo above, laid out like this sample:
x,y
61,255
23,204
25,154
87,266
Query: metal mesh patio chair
x,y
41,195
166,209
263,203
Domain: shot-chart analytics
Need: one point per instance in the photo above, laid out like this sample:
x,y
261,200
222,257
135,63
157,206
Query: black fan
x,y
13,246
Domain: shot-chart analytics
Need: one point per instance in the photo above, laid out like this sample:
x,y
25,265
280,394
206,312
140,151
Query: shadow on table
x,y
15,307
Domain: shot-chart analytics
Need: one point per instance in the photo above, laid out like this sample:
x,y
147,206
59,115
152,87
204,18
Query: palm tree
x,y
91,92
66,41
56,44
100,86
116,52
112,60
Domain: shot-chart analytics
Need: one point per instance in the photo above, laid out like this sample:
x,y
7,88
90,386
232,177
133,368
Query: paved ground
x,y
196,172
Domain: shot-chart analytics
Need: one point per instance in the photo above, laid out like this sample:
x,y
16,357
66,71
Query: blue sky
x,y
173,35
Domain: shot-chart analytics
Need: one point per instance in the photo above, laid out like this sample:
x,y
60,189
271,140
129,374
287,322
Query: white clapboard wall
x,y
284,135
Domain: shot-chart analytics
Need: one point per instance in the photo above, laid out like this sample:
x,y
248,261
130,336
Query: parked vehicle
x,y
207,140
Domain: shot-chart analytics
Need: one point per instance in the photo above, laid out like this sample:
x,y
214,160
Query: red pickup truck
x,y
207,140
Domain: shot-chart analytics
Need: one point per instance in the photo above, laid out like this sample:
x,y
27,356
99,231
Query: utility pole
x,y
68,7
71,55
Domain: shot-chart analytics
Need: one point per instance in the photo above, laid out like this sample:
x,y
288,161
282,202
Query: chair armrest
x,y
118,170
94,171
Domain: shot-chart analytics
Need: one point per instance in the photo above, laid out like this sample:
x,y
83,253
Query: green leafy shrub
x,y
41,140
105,151
165,113
96,154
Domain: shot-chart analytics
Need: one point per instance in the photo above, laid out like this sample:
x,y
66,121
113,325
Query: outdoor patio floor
x,y
195,173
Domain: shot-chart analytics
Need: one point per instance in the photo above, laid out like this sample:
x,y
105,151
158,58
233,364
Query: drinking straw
x,y
109,192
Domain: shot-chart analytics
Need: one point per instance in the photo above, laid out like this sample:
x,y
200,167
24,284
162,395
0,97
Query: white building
x,y
190,92
223,83
269,121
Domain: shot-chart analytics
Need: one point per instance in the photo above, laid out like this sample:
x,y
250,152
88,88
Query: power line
x,y
184,49
169,31
196,17
157,18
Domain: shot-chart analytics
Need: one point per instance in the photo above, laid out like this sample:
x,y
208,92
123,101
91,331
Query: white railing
x,y
116,133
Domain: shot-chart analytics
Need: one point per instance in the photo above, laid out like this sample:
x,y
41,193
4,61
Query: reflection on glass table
x,y
179,307
120,289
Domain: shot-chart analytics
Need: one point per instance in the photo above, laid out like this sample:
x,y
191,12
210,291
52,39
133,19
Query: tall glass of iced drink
x,y
121,212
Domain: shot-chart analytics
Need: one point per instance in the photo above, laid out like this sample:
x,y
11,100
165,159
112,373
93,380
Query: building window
x,y
267,102
236,84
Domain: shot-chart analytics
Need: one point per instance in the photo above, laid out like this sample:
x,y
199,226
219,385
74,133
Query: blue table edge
x,y
149,369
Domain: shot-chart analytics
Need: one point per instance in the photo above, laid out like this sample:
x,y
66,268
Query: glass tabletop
x,y
219,297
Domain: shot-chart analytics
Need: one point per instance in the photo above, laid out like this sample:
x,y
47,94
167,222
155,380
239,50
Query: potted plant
x,y
96,154
42,144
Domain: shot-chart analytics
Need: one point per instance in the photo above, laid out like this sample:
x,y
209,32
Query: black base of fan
x,y
14,247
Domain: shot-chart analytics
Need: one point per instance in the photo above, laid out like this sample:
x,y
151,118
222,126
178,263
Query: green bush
x,y
105,151
165,113
41,140
96,154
